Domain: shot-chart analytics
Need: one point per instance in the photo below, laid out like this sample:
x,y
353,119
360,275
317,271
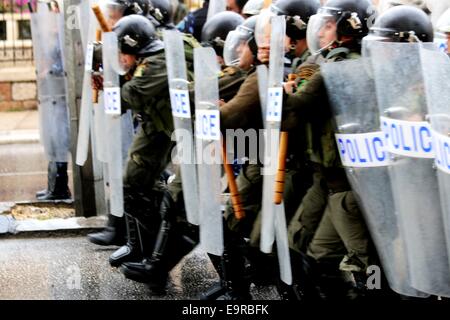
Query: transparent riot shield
x,y
363,152
402,106
274,100
436,70
181,111
87,104
273,219
113,120
208,149
127,134
98,129
51,82
262,87
83,15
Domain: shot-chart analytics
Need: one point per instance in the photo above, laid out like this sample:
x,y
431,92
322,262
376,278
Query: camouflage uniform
x,y
147,94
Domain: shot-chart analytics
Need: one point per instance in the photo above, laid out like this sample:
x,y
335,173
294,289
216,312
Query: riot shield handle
x,y
101,18
281,172
98,38
234,192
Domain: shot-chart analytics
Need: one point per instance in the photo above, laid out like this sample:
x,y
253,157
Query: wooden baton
x,y
281,172
98,38
105,28
282,154
101,18
234,193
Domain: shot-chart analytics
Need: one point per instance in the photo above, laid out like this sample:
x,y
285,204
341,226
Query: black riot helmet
x,y
403,24
130,6
160,13
347,18
352,16
137,36
216,29
297,14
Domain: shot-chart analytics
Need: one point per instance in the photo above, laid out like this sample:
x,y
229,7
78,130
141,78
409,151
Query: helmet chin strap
x,y
334,44
329,46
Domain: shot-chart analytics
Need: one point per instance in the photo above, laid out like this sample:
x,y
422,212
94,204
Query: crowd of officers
x,y
330,245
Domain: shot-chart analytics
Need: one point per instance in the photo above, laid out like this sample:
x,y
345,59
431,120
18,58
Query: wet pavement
x,y
70,268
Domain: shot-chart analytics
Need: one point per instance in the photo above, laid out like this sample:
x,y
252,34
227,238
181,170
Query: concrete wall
x,y
18,89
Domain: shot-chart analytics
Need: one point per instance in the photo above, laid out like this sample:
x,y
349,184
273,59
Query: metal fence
x,y
15,33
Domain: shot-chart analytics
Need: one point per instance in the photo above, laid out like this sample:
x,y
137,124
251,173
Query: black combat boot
x,y
218,289
113,234
152,269
51,179
304,273
237,286
330,283
131,251
356,284
170,247
231,267
58,183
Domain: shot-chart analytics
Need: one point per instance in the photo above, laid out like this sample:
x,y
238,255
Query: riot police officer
x,y
244,112
114,232
333,231
216,29
411,92
147,93
171,243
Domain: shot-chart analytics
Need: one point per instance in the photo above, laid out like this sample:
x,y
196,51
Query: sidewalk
x,y
19,127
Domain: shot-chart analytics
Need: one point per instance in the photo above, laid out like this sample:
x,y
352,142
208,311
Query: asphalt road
x,y
71,268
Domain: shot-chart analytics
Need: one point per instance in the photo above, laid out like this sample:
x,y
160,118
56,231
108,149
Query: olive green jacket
x,y
148,93
308,108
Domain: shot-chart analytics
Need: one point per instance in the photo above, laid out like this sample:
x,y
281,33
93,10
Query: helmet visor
x,y
235,44
321,32
114,59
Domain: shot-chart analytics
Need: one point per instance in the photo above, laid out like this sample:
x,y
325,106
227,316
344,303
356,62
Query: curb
x,y
9,225
19,136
